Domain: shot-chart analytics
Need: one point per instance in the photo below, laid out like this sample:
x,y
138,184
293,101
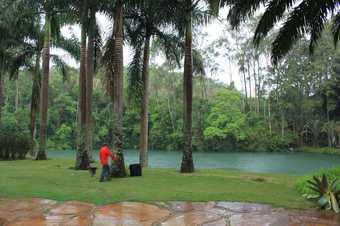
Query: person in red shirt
x,y
104,155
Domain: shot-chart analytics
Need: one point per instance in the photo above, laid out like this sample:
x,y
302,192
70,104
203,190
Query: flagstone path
x,y
42,212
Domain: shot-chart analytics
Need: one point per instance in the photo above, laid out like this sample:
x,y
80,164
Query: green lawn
x,y
54,180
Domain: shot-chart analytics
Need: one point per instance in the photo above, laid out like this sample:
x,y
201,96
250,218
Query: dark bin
x,y
135,170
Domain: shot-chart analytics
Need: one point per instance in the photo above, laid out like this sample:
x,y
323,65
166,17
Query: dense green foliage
x,y
296,104
54,180
15,141
219,124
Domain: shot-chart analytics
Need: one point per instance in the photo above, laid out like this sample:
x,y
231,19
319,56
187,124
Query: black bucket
x,y
135,170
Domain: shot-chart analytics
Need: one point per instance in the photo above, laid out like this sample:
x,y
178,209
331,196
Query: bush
x,y
15,142
332,174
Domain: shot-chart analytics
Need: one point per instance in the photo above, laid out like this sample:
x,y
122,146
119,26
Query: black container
x,y
135,170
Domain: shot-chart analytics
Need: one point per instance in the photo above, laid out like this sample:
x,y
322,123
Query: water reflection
x,y
290,163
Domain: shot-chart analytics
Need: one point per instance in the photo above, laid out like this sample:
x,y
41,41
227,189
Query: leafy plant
x,y
327,196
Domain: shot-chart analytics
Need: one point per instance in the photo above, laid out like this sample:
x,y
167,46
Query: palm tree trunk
x,y
35,97
44,90
89,81
82,158
143,157
187,165
118,87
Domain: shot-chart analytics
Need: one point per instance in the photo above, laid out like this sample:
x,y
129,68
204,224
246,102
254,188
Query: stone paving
x,y
42,212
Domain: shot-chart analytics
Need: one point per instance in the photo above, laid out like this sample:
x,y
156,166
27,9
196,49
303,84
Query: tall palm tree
x,y
117,79
187,8
82,157
143,24
113,61
304,17
89,75
51,27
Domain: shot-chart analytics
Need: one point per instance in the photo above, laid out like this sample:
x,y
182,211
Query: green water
x,y
288,163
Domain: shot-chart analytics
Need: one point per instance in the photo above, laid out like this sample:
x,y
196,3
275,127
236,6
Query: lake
x,y
288,163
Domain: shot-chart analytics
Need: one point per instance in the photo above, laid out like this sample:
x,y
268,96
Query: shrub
x,y
327,193
303,185
15,142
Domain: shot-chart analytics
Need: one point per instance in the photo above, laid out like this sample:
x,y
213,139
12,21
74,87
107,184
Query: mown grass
x,y
53,179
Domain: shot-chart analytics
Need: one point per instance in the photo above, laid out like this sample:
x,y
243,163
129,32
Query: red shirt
x,y
104,154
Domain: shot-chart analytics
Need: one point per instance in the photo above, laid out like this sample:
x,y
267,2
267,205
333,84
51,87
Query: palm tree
x,y
14,50
304,17
82,157
142,24
187,8
53,21
117,78
113,61
87,12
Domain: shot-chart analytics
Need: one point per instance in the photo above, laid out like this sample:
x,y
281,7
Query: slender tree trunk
x,y
41,155
269,117
89,81
282,124
259,83
256,97
245,92
35,99
187,161
17,94
82,157
249,81
143,157
171,116
328,125
118,86
230,71
2,96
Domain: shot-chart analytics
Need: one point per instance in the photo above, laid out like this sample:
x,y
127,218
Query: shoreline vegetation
x,y
319,150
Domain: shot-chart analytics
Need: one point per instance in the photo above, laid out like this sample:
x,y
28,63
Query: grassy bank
x,y
320,150
54,180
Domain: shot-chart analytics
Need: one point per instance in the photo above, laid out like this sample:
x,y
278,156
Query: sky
x,y
213,31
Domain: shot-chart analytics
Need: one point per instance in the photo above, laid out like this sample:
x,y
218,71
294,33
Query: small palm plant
x,y
327,196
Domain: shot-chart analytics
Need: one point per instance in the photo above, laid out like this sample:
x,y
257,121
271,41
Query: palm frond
x,y
171,44
135,83
61,66
307,17
71,45
336,28
197,62
273,14
240,10
107,64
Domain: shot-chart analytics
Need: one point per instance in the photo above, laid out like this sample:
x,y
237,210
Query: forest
x,y
293,104
282,98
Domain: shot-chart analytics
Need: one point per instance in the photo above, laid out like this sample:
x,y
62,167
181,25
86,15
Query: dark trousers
x,y
105,176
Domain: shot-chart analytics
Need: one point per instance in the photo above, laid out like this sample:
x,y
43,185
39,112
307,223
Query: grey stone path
x,y
42,212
